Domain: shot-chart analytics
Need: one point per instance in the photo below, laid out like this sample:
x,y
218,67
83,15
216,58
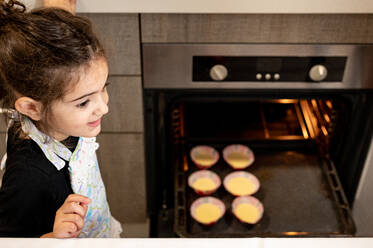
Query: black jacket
x,y
32,190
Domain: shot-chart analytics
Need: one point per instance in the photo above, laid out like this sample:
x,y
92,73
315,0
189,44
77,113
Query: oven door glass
x,y
291,140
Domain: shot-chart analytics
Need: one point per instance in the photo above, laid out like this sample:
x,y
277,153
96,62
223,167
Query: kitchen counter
x,y
180,243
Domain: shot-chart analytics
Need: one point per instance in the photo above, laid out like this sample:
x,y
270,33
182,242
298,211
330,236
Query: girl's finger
x,y
85,208
70,227
75,234
65,230
78,198
75,219
73,208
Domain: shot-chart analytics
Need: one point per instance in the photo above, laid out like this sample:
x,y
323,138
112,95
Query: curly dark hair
x,y
41,51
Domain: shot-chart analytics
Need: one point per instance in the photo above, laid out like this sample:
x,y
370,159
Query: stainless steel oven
x,y
305,111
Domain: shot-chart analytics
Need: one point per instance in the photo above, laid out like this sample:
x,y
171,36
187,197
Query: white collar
x,y
55,151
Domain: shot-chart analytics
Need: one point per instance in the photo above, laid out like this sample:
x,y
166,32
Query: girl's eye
x,y
83,104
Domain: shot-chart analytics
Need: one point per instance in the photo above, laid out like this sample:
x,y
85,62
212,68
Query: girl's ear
x,y
29,107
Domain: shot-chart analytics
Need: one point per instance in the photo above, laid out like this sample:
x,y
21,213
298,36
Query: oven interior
x,y
297,143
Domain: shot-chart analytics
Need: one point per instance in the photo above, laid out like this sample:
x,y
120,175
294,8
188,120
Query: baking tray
x,y
300,192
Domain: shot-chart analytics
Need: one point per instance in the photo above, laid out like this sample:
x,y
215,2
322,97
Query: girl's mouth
x,y
94,123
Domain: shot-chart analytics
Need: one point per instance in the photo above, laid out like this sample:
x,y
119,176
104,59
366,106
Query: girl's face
x,y
80,110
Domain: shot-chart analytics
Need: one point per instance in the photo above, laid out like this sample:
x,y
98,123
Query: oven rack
x,y
300,191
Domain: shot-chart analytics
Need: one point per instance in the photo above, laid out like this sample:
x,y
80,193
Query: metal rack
x,y
292,167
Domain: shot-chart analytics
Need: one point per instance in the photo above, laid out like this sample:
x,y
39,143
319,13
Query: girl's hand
x,y
69,219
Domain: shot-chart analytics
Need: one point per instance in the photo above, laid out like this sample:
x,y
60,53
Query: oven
x,y
304,110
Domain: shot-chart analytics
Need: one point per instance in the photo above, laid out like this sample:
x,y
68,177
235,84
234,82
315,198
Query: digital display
x,y
268,64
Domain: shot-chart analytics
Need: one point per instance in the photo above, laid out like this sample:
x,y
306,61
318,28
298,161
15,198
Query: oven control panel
x,y
258,66
268,69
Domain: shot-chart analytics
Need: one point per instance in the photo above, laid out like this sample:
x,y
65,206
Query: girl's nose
x,y
102,107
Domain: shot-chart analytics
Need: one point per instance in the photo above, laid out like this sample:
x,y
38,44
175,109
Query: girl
x,y
53,75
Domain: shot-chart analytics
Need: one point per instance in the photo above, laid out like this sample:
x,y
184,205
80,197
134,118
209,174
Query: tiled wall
x,y
121,152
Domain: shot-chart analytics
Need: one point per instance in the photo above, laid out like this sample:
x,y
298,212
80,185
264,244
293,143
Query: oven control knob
x,y
318,73
218,72
276,76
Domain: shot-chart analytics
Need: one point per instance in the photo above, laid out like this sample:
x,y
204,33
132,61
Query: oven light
x,y
295,233
287,101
